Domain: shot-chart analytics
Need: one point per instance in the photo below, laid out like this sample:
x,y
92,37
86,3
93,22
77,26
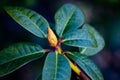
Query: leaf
x,y
79,38
86,65
68,18
56,68
100,41
30,20
17,55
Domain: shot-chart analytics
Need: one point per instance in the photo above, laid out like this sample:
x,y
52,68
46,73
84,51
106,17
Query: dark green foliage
x,y
69,18
57,64
29,19
87,65
18,55
99,41
56,68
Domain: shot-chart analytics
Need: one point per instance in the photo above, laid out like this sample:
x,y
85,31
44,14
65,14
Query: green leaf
x,y
100,41
79,38
86,65
30,20
56,68
17,55
68,18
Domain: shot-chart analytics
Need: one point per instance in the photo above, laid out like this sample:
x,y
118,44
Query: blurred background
x,y
104,15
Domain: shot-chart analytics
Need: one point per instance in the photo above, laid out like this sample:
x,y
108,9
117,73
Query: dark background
x,y
104,15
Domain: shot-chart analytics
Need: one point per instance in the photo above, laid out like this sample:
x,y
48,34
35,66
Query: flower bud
x,y
52,38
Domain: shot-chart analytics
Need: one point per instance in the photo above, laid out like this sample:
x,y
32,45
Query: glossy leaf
x,y
68,18
100,41
30,20
86,65
17,55
79,38
56,68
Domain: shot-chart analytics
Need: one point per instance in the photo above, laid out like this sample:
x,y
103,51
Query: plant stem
x,y
59,50
77,70
74,67
83,76
48,50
